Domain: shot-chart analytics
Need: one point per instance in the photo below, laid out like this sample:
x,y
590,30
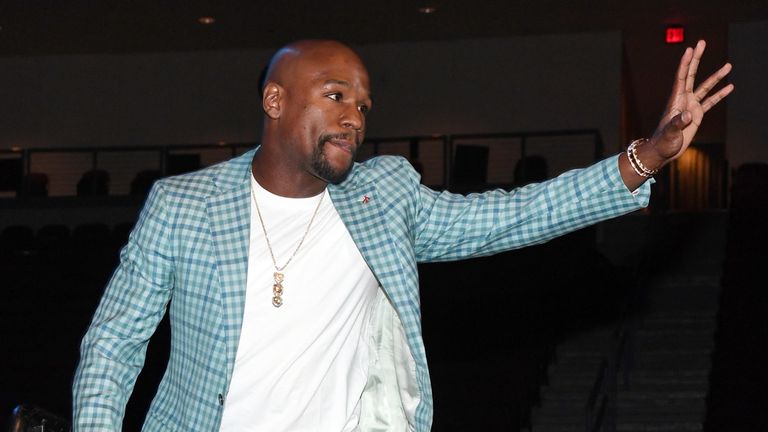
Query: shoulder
x,y
386,168
207,181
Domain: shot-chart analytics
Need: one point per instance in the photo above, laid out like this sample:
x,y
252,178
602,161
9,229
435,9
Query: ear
x,y
272,100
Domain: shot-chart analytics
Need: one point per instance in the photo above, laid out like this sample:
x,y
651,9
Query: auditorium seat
x,y
750,186
91,236
31,418
16,241
91,243
120,233
470,168
54,236
93,182
34,184
531,169
143,181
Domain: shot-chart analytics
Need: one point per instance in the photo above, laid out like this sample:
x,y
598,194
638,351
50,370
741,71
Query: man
x,y
290,273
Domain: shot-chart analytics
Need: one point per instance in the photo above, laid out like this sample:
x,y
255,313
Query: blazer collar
x,y
229,212
235,173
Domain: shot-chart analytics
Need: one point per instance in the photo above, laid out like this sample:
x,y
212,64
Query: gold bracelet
x,y
635,162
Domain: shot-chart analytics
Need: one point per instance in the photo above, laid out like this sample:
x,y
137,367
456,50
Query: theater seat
x,y
34,185
142,183
16,241
94,182
53,241
30,418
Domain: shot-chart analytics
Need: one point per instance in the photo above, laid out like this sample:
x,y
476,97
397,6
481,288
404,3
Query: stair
x,y
673,342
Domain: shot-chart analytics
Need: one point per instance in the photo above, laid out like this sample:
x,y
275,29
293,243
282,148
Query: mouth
x,y
342,142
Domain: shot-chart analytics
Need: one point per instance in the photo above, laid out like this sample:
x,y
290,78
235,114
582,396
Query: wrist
x,y
643,158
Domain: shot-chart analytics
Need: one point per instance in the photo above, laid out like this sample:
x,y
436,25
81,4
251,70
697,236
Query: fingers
x,y
682,72
686,70
717,97
694,65
707,86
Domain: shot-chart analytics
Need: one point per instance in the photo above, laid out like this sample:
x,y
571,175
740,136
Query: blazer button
x,y
221,399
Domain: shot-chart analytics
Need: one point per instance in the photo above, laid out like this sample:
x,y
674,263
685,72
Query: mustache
x,y
340,136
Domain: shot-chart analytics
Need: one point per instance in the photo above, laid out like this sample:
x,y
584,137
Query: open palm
x,y
686,106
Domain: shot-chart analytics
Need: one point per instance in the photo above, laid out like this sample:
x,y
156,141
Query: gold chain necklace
x,y
278,275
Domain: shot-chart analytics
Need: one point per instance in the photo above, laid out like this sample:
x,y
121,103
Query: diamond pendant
x,y
277,290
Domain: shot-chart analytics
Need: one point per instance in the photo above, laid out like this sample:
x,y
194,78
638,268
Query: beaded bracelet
x,y
635,162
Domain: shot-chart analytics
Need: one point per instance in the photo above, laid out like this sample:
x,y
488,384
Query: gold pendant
x,y
277,290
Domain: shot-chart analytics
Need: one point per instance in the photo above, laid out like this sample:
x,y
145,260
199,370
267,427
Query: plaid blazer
x,y
188,254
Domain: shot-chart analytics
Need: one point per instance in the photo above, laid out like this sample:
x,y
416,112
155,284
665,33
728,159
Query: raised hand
x,y
686,106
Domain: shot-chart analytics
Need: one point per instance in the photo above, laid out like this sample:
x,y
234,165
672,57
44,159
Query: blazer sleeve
x,y
451,226
113,349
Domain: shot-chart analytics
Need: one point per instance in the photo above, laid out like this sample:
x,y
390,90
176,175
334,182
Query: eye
x,y
334,96
363,108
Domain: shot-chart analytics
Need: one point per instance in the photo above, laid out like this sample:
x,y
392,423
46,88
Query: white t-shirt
x,y
302,366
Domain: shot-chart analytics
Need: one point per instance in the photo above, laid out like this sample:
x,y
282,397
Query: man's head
x,y
316,94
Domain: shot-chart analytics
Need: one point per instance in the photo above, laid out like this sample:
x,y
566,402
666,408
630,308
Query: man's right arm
x,y
113,349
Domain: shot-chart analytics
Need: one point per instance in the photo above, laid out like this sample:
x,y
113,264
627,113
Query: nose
x,y
352,118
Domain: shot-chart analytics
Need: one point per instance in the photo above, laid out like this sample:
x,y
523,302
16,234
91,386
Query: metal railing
x,y
601,405
412,147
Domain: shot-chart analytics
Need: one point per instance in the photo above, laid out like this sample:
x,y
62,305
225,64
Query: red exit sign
x,y
675,34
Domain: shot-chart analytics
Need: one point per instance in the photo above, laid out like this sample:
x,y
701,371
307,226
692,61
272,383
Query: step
x,y
670,374
585,386
705,337
671,422
677,362
659,426
657,402
646,396
685,314
650,324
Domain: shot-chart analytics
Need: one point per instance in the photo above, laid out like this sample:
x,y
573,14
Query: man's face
x,y
325,102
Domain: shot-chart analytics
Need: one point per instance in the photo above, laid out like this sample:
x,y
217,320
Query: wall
x,y
748,105
497,85
494,85
140,99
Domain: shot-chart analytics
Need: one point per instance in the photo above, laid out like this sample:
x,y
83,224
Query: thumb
x,y
684,119
672,129
669,137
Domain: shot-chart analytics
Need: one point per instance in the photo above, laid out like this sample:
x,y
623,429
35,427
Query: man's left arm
x,y
452,226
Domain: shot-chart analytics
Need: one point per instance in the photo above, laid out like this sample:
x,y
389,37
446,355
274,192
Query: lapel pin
x,y
366,199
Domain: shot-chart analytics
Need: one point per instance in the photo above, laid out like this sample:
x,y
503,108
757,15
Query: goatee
x,y
323,168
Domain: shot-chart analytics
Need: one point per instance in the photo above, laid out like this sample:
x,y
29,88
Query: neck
x,y
277,176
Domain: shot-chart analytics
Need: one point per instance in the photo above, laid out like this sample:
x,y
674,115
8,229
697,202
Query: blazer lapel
x,y
230,215
361,210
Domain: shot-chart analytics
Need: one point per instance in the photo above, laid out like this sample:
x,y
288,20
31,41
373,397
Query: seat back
x,y
30,418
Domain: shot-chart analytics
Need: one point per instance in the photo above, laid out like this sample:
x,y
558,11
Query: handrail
x,y
604,390
619,357
595,393
601,415
448,141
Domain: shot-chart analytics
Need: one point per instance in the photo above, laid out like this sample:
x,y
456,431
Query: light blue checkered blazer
x,y
189,253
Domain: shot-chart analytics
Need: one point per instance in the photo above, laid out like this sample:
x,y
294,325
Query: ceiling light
x,y
427,10
206,20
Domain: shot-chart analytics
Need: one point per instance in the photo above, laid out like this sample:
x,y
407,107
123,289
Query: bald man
x,y
290,273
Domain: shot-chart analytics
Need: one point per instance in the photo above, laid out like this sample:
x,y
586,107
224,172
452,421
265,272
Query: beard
x,y
323,168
